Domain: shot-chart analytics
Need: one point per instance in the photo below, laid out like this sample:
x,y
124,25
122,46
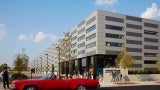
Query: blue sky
x,y
36,24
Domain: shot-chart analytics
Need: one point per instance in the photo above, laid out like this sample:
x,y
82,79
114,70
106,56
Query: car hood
x,y
26,80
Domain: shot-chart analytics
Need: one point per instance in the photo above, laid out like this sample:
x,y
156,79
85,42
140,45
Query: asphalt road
x,y
146,87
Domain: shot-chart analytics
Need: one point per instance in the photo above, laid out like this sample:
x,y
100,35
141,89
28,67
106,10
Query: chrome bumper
x,y
13,88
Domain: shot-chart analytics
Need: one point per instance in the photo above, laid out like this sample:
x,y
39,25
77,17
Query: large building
x,y
100,37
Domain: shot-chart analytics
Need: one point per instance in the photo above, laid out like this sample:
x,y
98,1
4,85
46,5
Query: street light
x,y
41,63
34,66
47,63
37,67
58,48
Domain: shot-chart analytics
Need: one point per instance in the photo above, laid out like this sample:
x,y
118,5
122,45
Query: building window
x,y
84,63
81,45
150,69
81,37
115,19
91,37
134,34
133,49
134,42
91,20
83,22
81,30
81,52
150,61
134,18
115,44
91,45
151,47
134,26
136,66
110,52
74,51
151,40
74,38
137,57
75,31
73,45
150,54
76,64
90,53
151,25
91,28
114,27
114,36
150,32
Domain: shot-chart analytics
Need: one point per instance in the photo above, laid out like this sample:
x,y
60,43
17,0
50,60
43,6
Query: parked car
x,y
50,82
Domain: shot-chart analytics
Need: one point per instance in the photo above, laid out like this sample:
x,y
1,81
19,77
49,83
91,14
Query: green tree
x,y
21,62
3,66
124,61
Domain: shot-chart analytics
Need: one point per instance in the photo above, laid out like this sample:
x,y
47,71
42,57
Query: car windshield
x,y
47,76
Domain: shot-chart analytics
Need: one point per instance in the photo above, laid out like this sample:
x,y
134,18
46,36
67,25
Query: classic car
x,y
50,82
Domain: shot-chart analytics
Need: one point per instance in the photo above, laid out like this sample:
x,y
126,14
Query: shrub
x,y
18,76
144,72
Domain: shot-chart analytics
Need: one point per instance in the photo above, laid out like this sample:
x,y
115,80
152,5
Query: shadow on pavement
x,y
148,87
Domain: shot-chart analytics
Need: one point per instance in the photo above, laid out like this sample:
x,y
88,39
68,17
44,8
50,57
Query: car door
x,y
55,84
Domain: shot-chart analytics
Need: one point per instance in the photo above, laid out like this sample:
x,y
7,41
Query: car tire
x,y
30,88
81,87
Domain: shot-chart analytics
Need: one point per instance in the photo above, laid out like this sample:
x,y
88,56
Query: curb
x,y
135,83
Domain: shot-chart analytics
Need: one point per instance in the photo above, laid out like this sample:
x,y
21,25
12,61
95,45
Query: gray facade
x,y
101,37
104,33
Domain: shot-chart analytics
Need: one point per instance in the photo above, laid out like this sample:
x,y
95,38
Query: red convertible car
x,y
49,83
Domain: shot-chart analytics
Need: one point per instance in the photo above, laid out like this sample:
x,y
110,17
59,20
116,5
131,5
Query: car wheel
x,y
30,88
81,87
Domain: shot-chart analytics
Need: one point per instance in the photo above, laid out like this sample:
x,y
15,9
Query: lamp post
x,y
47,63
34,66
37,66
58,48
41,63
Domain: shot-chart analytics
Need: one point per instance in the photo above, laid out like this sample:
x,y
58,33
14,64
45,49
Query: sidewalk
x,y
130,83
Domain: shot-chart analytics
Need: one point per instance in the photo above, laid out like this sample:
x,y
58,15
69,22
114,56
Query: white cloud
x,y
151,12
31,36
115,11
105,2
52,37
40,37
22,37
3,31
37,38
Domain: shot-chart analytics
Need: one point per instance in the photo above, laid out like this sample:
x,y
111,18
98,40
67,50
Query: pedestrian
x,y
5,78
120,76
113,76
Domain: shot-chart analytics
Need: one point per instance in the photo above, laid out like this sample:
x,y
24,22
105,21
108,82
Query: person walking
x,y
5,78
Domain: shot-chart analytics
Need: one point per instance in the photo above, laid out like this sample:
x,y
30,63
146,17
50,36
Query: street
x,y
146,87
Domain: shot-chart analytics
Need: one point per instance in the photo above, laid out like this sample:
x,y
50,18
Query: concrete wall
x,y
144,77
107,76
